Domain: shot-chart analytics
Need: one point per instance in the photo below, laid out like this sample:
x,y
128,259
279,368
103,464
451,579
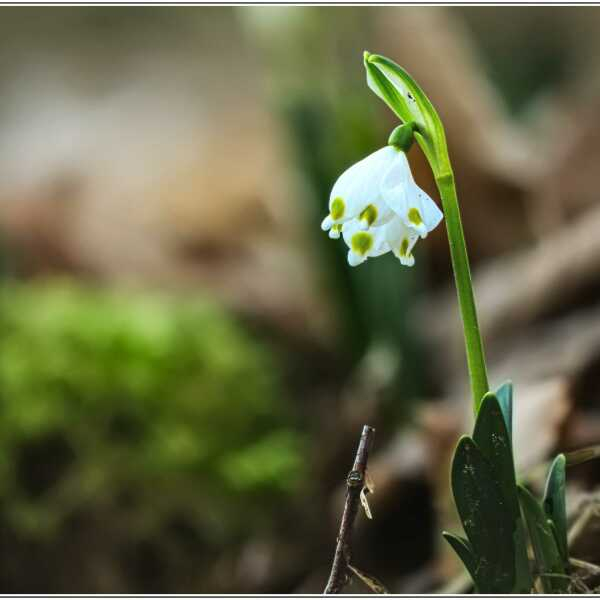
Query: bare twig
x,y
585,566
355,482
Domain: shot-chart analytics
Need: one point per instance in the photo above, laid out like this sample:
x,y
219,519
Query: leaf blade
x,y
486,518
493,438
545,550
554,503
463,549
505,399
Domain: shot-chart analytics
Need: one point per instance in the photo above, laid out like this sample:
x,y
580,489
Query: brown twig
x,y
355,482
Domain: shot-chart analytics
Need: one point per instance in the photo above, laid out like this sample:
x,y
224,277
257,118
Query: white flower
x,y
377,207
356,194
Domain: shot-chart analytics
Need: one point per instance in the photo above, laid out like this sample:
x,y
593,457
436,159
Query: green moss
x,y
169,400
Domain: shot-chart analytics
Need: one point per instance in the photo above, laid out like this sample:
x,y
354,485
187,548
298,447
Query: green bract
x,y
400,92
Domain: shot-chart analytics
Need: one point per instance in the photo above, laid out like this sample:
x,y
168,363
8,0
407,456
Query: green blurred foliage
x,y
152,404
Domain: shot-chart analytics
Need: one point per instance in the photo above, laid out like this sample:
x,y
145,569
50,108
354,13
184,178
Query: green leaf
x,y
523,578
545,550
404,96
492,437
462,547
486,518
554,504
505,398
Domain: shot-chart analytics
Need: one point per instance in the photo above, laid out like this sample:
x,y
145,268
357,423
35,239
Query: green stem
x,y
464,289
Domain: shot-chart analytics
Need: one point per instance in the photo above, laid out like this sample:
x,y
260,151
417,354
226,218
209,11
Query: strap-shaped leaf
x,y
505,398
486,518
523,578
545,550
462,547
492,437
402,94
555,504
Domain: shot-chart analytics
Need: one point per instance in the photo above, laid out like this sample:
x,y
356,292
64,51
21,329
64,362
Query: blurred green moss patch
x,y
145,405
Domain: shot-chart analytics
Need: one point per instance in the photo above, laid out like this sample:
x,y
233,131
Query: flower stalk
x,y
464,288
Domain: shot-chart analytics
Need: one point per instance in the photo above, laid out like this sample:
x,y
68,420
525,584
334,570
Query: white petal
x,y
355,259
381,245
375,214
430,212
396,197
401,240
358,187
398,173
350,228
378,242
418,211
396,184
326,223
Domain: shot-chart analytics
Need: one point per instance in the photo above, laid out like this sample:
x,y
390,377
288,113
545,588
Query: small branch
x,y
586,566
355,482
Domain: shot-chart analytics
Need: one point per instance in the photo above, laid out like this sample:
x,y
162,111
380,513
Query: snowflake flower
x,y
377,207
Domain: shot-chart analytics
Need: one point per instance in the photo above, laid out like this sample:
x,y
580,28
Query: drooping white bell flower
x,y
356,194
377,207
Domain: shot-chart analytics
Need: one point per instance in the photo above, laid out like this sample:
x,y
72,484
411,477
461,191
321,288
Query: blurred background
x,y
186,361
